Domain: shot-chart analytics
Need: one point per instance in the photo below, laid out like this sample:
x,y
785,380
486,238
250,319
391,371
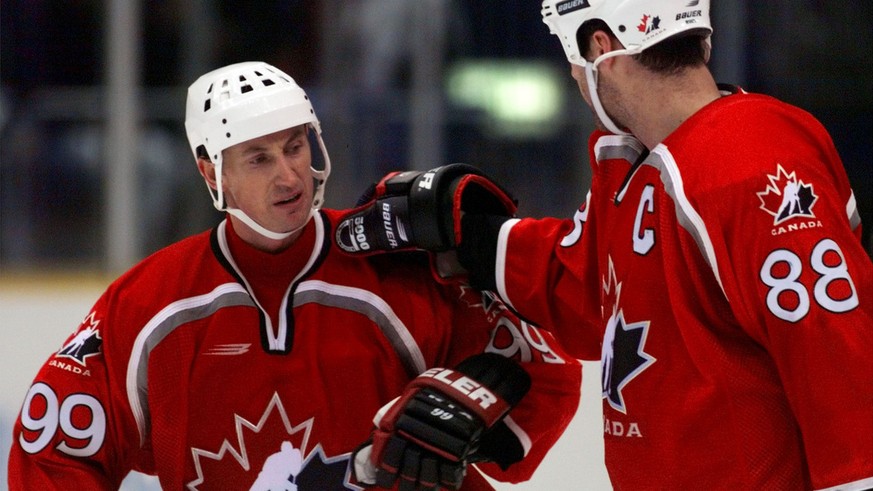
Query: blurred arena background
x,y
95,171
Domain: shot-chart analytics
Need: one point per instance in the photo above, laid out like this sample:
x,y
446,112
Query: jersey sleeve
x,y
482,320
542,275
798,280
72,427
544,269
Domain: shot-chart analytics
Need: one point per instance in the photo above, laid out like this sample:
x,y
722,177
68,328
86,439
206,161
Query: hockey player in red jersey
x,y
256,356
716,267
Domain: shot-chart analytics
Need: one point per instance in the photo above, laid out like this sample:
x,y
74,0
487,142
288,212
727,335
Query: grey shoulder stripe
x,y
688,218
165,322
374,308
618,147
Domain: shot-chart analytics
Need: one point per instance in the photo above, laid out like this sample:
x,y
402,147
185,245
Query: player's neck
x,y
668,102
270,273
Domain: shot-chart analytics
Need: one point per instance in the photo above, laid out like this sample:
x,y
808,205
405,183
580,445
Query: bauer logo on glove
x,y
420,210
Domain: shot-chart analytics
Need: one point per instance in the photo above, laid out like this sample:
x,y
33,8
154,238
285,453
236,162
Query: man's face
x,y
269,179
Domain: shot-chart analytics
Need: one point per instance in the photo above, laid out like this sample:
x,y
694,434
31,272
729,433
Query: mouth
x,y
290,200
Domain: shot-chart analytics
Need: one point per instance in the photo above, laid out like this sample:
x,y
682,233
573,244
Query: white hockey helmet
x,y
239,102
638,24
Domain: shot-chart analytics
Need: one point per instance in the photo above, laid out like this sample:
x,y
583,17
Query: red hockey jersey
x,y
179,371
721,280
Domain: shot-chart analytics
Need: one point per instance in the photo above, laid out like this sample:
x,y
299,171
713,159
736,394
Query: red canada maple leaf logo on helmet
x,y
649,23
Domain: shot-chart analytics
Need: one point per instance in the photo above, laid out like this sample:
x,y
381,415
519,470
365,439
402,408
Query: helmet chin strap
x,y
263,231
591,78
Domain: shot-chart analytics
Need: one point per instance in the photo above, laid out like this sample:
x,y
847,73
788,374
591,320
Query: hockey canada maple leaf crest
x,y
787,197
86,342
623,356
271,454
484,299
649,23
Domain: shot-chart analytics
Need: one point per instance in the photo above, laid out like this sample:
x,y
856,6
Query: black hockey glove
x,y
478,252
420,210
444,420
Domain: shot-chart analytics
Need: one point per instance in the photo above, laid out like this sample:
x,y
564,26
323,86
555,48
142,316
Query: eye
x,y
295,147
259,159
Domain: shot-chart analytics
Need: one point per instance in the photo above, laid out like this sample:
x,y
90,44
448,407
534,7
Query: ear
x,y
207,170
599,43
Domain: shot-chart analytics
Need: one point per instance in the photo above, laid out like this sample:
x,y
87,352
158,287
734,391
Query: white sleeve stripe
x,y
522,435
500,263
862,485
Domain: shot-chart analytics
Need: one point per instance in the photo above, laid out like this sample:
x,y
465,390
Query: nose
x,y
286,171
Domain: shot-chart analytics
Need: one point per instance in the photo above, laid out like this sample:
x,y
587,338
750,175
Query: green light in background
x,y
519,98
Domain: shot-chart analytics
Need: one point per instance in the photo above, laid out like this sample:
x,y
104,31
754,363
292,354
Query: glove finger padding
x,y
399,461
435,427
420,210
